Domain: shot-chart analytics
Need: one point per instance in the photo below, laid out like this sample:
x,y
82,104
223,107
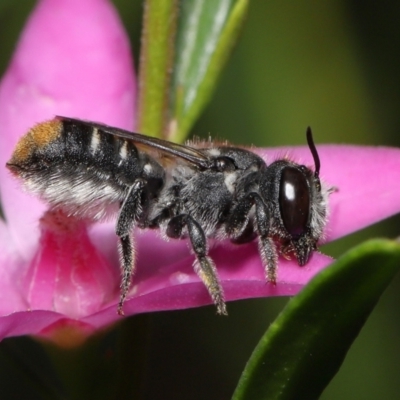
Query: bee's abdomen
x,y
80,168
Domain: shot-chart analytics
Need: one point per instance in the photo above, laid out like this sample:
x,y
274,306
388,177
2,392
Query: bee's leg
x,y
238,221
204,266
266,245
129,212
126,250
239,217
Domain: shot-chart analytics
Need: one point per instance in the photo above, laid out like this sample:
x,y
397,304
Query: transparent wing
x,y
166,148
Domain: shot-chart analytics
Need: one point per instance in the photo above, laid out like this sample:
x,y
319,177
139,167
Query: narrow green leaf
x,y
156,57
304,348
207,31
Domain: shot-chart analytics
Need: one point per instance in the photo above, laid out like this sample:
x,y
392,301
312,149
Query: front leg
x,y
204,266
129,213
239,220
266,245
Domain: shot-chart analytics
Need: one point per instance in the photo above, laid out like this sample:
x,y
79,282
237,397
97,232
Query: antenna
x,y
314,152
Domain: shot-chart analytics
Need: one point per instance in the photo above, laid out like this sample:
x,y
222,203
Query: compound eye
x,y
294,201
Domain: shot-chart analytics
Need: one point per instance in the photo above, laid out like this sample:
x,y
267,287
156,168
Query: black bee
x,y
89,170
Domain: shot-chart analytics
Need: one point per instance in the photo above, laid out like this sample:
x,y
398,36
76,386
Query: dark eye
x,y
294,201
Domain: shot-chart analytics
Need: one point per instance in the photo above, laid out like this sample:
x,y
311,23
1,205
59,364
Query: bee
x,y
198,191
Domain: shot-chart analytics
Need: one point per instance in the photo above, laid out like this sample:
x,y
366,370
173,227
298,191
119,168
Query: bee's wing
x,y
165,147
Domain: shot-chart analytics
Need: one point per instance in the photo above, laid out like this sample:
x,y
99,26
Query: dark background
x,y
333,65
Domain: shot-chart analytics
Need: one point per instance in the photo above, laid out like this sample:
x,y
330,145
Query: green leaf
x,y
156,57
304,348
206,33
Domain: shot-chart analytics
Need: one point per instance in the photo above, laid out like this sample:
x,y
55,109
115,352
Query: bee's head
x,y
297,204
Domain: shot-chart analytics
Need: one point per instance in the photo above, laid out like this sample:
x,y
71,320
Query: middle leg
x,y
204,265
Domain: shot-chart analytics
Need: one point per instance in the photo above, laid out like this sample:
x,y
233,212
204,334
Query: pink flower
x,y
73,59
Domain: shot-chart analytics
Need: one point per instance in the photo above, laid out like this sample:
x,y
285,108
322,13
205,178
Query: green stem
x,y
157,52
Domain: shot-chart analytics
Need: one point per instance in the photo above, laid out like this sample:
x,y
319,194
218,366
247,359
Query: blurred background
x,y
333,65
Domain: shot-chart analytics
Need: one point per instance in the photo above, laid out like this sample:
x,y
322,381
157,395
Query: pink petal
x,y
72,59
165,280
10,274
174,285
67,274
